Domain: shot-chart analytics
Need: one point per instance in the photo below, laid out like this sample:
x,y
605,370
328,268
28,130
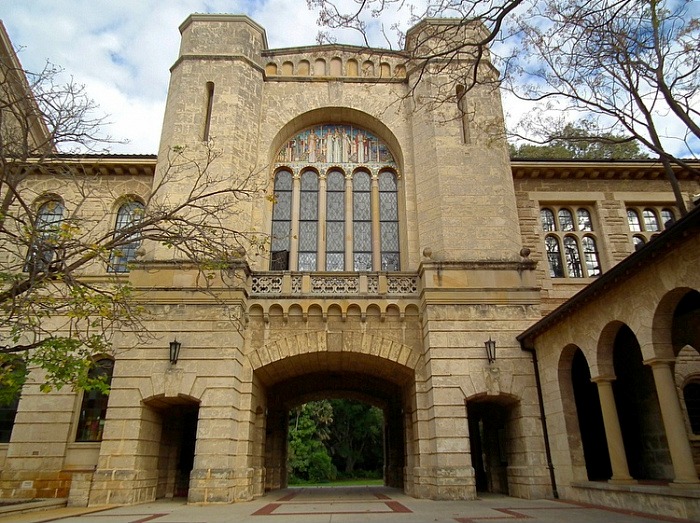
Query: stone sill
x,y
669,490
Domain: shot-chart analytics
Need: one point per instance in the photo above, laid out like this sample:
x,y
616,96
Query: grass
x,y
340,483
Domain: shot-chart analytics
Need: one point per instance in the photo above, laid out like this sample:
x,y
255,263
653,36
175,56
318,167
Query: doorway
x,y
488,445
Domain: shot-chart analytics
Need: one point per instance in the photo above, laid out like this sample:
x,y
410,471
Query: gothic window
x,y
46,236
124,252
556,270
335,222
389,222
308,221
342,212
653,220
569,244
361,222
281,221
93,408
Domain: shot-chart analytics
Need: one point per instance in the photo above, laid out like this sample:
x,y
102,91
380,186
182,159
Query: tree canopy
x,y
579,143
60,303
623,67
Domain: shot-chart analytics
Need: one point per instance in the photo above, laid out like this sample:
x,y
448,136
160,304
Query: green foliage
x,y
335,435
308,458
581,142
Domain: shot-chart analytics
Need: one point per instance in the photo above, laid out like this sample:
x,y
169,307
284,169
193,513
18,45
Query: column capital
x,y
604,378
658,362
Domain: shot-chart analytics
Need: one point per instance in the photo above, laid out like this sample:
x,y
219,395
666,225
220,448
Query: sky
x,y
121,51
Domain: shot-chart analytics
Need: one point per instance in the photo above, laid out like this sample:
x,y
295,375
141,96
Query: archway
x,y
590,420
177,419
323,375
639,412
490,440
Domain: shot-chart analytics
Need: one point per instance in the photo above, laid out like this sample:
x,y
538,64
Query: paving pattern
x,y
346,505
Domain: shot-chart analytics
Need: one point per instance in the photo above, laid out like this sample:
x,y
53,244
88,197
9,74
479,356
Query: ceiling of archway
x,y
335,143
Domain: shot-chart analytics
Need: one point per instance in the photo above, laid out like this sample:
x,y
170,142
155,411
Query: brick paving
x,y
345,505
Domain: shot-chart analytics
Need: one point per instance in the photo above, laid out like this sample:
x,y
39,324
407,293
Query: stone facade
x,y
473,266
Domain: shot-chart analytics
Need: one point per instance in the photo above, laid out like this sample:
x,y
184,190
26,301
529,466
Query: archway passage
x,y
307,377
489,440
590,420
177,418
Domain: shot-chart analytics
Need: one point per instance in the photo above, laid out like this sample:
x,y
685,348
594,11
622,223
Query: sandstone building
x,y
402,240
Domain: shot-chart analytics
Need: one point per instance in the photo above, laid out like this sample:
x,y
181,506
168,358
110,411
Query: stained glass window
x,y
355,209
388,222
335,222
362,222
308,221
281,221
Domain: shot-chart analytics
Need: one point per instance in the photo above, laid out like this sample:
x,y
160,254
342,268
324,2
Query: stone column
x,y
672,416
613,433
321,239
376,229
294,240
349,258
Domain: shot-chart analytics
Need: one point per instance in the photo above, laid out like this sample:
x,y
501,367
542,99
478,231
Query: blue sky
x,y
122,51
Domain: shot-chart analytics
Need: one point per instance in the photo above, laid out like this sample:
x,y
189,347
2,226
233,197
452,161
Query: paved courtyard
x,y
343,505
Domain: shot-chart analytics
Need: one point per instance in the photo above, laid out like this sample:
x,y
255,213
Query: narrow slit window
x,y
210,106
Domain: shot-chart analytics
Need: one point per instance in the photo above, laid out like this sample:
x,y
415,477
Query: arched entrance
x,y
490,435
177,419
325,375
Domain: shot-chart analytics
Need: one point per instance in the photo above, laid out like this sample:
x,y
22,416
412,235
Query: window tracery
x,y
341,213
570,246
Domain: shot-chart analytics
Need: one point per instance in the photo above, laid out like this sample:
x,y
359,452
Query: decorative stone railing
x,y
333,284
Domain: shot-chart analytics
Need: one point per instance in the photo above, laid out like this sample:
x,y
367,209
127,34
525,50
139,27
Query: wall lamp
x,y
490,350
174,350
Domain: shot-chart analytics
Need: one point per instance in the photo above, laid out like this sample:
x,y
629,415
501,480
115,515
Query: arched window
x,y
566,220
126,243
649,225
342,214
389,222
574,236
361,222
691,396
13,369
46,229
590,254
633,220
335,222
93,408
308,221
573,257
651,222
547,217
281,222
556,270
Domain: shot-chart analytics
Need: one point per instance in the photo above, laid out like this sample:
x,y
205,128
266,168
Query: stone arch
x,y
320,67
352,68
603,363
304,68
337,114
271,69
287,69
348,343
667,338
336,66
